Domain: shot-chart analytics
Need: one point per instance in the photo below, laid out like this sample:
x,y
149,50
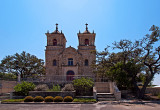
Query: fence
x,y
63,79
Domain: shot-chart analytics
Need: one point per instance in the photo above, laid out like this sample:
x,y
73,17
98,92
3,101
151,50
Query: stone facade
x,y
62,61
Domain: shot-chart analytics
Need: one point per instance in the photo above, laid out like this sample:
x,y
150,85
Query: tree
x,y
141,57
24,64
144,52
100,65
150,56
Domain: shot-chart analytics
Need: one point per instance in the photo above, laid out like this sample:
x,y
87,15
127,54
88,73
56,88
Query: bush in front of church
x,y
58,99
49,99
28,99
68,87
83,86
41,87
68,99
38,99
24,88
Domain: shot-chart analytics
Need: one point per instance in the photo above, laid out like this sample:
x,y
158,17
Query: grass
x,y
84,100
13,100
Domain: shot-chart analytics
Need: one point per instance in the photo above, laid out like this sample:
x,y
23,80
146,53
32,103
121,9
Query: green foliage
x,y
24,88
84,100
119,75
68,99
58,99
49,99
131,60
122,73
13,100
55,88
8,76
41,87
68,87
83,85
24,64
38,99
28,99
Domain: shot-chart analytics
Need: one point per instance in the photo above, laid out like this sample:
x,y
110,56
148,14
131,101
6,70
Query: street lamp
x,y
19,77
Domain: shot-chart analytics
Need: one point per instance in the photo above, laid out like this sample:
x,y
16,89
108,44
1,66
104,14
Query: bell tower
x,y
56,39
86,40
56,44
85,47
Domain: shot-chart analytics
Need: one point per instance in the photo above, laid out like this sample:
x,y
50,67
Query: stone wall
x,y
7,86
102,87
51,93
153,90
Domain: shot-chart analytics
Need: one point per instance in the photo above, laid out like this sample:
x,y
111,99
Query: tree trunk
x,y
142,91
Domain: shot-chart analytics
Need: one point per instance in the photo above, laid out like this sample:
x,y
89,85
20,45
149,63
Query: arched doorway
x,y
70,75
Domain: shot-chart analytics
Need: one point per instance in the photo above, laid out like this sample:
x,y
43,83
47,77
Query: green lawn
x,y
13,100
84,100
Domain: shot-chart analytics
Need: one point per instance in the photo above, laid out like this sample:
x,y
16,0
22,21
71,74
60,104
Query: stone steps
x,y
105,97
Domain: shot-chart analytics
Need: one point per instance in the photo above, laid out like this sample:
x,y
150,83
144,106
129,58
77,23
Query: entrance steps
x,y
106,91
105,97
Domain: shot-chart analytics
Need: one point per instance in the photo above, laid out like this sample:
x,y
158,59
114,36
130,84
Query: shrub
x,y
41,87
56,88
68,99
49,99
58,99
24,88
28,99
68,87
38,99
83,86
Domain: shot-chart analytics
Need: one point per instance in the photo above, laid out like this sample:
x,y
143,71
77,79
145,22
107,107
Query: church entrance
x,y
70,75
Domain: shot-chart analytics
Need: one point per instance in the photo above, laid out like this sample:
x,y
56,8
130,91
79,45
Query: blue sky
x,y
23,23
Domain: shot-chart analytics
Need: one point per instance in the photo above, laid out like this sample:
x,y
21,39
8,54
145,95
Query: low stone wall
x,y
52,93
153,90
102,87
7,86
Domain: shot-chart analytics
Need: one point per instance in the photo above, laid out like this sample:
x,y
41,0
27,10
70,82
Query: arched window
x,y
70,61
54,62
86,62
86,42
54,42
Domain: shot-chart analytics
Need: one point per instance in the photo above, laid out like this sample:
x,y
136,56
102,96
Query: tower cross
x,y
86,27
56,27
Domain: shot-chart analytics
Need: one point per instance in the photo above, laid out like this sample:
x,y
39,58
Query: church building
x,y
69,62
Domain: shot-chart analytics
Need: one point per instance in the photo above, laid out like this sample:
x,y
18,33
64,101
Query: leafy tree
x,y
100,65
150,56
133,59
24,64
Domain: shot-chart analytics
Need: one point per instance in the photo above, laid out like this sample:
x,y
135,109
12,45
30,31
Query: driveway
x,y
96,106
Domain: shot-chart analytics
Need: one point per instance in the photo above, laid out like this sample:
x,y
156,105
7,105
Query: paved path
x,y
97,106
